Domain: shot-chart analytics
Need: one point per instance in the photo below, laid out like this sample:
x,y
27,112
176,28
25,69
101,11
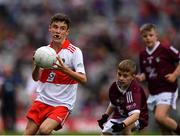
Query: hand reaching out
x,y
103,120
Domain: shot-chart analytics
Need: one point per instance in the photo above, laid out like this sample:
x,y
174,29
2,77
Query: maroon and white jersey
x,y
56,88
156,64
131,101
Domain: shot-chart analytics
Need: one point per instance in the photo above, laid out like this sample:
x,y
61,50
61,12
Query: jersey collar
x,y
64,45
154,48
119,88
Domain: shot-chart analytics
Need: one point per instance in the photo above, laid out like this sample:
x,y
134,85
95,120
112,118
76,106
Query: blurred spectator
x,y
8,99
30,88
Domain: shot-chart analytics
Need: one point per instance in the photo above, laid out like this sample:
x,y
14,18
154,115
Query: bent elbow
x,y
35,78
84,81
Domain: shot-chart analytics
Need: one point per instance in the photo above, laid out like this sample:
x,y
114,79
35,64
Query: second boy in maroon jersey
x,y
131,100
127,103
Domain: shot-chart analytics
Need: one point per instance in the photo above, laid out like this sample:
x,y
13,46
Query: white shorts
x,y
162,98
107,126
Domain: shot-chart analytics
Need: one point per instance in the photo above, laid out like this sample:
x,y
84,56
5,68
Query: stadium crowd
x,y
105,30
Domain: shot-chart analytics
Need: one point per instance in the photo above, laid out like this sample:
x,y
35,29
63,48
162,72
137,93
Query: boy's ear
x,y
67,33
157,34
49,28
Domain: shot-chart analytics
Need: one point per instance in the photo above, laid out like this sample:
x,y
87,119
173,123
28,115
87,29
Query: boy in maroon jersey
x,y
159,67
127,103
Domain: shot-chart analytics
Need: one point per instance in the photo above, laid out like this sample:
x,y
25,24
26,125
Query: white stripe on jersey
x,y
129,97
174,50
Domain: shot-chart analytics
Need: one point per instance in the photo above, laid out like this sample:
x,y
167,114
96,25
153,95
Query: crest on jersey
x,y
157,59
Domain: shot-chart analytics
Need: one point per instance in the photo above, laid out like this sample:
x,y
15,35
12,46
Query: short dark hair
x,y
147,27
127,65
62,18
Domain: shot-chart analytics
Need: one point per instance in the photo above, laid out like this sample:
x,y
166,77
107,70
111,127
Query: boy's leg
x,y
163,119
48,126
54,121
31,128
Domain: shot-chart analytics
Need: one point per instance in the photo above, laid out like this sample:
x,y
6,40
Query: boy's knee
x,y
159,118
44,130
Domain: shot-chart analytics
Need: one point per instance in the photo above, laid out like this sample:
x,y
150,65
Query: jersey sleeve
x,y
78,61
174,54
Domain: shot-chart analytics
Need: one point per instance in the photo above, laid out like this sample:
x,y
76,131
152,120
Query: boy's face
x,y
59,31
149,38
124,79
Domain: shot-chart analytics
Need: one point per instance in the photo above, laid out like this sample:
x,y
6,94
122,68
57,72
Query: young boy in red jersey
x,y
160,68
57,87
127,103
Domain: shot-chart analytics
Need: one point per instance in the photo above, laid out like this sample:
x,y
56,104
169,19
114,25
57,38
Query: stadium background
x,y
105,30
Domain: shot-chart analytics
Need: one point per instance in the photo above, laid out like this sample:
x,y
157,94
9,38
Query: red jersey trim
x,y
71,48
66,45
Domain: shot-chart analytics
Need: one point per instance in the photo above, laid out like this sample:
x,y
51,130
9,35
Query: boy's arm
x,y
105,116
117,127
35,73
109,109
171,77
78,76
131,119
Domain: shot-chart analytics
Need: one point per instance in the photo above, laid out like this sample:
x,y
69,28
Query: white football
x,y
45,57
